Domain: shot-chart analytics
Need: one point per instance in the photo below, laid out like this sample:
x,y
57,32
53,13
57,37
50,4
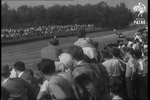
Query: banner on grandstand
x,y
140,8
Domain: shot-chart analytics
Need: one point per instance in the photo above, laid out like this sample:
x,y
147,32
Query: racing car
x,y
119,33
122,36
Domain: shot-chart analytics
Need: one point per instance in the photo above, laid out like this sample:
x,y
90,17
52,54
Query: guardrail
x,y
27,40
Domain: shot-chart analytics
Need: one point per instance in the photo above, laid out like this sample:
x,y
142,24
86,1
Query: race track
x,y
30,52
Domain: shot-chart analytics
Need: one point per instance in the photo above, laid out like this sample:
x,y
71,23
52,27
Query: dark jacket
x,y
20,89
4,93
30,79
89,81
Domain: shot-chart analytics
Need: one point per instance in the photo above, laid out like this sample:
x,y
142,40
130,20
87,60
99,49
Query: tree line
x,y
99,14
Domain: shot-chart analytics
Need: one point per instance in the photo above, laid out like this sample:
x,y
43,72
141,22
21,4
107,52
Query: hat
x,y
5,69
54,41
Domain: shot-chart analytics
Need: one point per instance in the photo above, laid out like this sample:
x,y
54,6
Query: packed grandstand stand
x,y
20,33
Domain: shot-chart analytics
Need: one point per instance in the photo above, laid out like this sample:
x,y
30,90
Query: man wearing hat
x,y
52,51
17,87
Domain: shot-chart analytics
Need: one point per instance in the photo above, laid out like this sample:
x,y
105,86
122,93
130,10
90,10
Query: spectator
x,y
58,86
91,53
137,36
43,91
120,45
66,59
131,74
124,56
29,72
60,67
111,62
5,95
16,86
20,70
52,51
136,45
39,77
89,83
141,78
115,69
114,92
83,41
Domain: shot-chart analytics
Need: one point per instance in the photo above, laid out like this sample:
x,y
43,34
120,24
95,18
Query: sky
x,y
48,3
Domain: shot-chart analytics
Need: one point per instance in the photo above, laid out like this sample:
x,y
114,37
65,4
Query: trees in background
x,y
99,14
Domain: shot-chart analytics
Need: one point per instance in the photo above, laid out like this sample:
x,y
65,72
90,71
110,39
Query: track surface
x,y
30,52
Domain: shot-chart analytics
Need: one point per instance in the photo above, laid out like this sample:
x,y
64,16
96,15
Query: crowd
x,y
19,33
118,72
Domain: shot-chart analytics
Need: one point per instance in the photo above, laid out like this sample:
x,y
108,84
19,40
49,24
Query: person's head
x,y
121,44
124,50
29,72
54,42
5,72
105,54
115,52
19,67
39,77
77,53
96,44
47,67
130,52
81,33
114,91
145,46
138,54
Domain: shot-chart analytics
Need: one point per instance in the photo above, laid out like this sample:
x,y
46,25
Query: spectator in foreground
x,y
52,51
17,87
141,77
131,74
60,67
115,69
58,86
88,45
89,83
21,73
5,95
66,59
